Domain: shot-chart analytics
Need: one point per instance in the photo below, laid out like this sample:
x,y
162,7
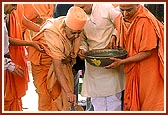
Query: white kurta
x,y
100,82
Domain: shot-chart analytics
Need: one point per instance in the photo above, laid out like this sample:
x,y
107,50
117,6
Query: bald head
x,y
128,10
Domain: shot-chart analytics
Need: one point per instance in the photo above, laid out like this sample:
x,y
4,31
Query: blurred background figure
x,y
157,10
61,9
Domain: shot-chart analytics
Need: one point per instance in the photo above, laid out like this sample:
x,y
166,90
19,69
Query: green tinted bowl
x,y
101,58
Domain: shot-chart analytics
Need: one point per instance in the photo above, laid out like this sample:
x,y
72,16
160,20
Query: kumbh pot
x,y
101,57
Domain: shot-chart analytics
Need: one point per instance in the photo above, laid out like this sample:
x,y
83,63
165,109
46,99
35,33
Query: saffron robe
x,y
37,13
144,79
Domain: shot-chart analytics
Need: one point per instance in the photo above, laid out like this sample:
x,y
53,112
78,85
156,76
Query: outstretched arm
x,y
18,42
138,57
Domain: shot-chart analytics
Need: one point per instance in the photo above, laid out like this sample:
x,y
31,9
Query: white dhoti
x,y
109,103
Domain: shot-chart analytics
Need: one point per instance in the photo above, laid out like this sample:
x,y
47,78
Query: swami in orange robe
x,y
15,86
49,85
144,89
51,98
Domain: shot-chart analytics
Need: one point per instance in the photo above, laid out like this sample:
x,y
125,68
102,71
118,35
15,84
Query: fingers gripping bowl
x,y
101,57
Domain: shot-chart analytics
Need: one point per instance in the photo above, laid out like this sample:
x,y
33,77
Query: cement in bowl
x,y
101,58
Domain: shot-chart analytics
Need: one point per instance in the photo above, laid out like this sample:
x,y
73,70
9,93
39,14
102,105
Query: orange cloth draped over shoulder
x,y
145,79
15,86
30,12
57,46
37,13
45,11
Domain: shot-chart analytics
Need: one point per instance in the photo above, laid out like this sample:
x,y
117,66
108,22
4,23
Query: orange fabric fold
x,y
131,95
18,52
11,101
45,11
30,12
37,13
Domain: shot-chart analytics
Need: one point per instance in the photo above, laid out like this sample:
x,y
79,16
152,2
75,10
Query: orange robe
x,y
51,96
31,14
45,11
37,13
15,86
144,79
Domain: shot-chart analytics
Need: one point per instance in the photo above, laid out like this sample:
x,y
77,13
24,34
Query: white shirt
x,y
99,27
8,64
99,82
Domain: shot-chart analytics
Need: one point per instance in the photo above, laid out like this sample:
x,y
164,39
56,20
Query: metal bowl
x,y
101,57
